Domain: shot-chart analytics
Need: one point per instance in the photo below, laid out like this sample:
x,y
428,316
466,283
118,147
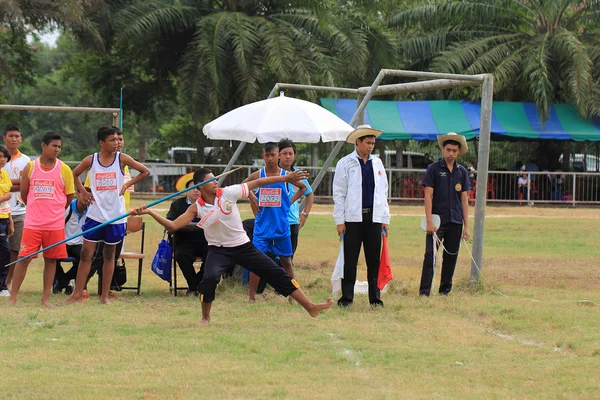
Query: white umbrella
x,y
279,118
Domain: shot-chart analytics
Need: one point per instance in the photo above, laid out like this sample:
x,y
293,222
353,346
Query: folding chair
x,y
135,224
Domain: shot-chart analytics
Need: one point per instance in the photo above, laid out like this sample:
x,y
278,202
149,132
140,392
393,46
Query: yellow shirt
x,y
67,176
127,194
5,185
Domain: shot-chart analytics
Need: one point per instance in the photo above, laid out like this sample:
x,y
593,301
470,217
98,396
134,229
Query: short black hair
x,y
270,146
118,130
6,153
11,127
367,136
453,142
200,174
106,131
50,136
285,143
189,183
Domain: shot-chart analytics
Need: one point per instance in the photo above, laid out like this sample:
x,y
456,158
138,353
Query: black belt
x,y
366,210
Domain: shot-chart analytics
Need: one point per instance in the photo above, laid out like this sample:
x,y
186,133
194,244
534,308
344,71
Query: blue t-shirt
x,y
294,214
447,189
274,204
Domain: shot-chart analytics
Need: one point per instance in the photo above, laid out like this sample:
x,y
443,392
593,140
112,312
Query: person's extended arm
x,y
25,183
428,209
464,201
144,172
269,180
86,196
172,226
5,197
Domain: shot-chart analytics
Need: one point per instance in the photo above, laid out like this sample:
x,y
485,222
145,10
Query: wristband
x,y
305,214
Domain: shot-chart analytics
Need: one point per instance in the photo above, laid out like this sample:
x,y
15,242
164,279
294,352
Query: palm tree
x,y
542,51
231,52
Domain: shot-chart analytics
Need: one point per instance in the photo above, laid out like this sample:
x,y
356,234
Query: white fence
x,y
561,188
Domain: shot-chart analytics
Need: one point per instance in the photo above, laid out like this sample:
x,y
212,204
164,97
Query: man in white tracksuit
x,y
361,211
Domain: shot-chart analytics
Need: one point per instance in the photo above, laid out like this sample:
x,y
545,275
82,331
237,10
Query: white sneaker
x,y
4,293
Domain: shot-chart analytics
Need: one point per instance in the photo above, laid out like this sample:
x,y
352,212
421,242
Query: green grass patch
x,y
529,331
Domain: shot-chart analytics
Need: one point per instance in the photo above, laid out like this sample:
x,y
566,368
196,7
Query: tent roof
x,y
424,120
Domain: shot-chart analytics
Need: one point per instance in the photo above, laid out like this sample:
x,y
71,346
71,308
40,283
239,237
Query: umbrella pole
x,y
233,159
155,202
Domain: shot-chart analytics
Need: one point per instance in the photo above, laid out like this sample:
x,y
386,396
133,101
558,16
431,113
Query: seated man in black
x,y
188,244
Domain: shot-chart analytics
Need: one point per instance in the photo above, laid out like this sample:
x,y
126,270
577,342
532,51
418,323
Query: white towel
x,y
338,272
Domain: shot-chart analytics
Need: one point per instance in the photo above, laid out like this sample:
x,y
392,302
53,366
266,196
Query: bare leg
x,y
85,264
108,269
49,271
288,266
313,308
17,280
205,313
252,285
14,256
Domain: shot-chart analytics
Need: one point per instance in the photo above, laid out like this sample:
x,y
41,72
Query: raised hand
x,y
296,176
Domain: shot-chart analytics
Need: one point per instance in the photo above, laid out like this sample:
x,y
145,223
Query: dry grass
x,y
527,333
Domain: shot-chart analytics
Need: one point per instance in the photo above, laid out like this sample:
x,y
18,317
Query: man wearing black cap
x,y
361,211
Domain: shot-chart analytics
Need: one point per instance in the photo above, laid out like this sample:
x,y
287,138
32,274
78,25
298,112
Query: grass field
x,y
531,331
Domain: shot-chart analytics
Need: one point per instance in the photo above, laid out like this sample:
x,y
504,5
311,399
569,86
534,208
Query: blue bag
x,y
161,264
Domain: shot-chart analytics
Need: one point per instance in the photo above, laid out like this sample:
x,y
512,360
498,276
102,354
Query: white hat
x,y
362,130
454,137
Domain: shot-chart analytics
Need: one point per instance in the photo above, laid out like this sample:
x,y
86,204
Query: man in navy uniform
x,y
447,188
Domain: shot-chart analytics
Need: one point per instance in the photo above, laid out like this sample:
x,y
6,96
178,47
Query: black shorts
x,y
220,259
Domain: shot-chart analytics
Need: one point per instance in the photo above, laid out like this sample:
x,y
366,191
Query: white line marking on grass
x,y
348,354
521,341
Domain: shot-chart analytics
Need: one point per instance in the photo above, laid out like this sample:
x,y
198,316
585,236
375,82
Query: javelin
x,y
155,202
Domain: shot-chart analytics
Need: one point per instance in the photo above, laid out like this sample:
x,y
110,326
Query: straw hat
x,y
362,130
457,138
182,182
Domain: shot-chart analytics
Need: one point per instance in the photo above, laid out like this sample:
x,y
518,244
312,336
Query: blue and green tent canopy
x,y
424,120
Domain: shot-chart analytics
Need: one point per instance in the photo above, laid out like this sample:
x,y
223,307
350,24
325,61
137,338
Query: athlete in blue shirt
x,y
271,207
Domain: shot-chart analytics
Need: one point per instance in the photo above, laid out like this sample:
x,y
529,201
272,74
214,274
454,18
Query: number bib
x,y
270,197
5,207
106,181
43,188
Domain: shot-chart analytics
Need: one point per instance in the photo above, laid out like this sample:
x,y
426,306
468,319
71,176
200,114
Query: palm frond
x,y
434,16
538,75
579,65
142,21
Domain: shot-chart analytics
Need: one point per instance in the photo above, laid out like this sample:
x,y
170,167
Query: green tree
x,y
231,52
541,51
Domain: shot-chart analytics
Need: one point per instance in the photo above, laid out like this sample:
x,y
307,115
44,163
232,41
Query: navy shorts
x,y
109,234
278,247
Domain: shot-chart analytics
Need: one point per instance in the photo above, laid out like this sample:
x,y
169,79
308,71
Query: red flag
x,y
385,267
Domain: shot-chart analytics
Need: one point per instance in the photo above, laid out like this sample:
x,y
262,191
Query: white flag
x,y
338,272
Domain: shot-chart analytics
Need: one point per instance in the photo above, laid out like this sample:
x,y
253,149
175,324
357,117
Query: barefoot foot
x,y
105,300
204,322
317,308
11,302
47,304
75,299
